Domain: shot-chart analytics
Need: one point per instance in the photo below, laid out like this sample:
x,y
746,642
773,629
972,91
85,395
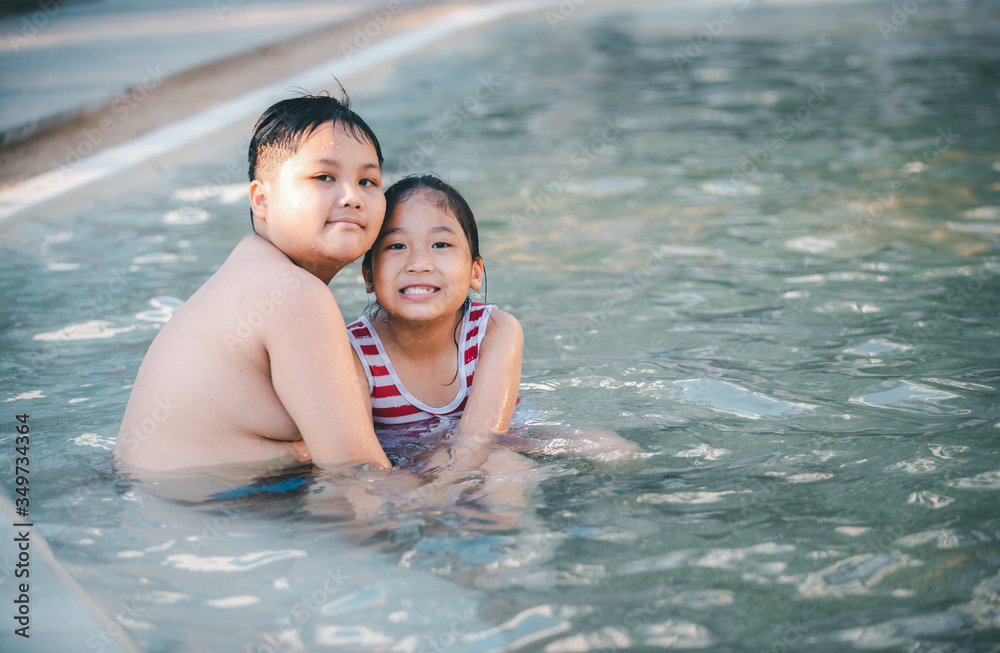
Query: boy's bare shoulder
x,y
264,271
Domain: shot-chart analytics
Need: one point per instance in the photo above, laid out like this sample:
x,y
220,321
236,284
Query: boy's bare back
x,y
256,365
204,393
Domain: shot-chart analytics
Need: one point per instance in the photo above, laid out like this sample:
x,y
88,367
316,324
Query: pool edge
x,y
81,621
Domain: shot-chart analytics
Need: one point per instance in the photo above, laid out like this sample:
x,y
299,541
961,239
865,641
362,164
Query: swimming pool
x,y
763,244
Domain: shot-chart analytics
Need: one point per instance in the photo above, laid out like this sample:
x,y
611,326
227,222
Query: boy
x,y
256,365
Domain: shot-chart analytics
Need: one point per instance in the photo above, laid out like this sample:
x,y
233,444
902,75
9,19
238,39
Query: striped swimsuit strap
x,y
392,403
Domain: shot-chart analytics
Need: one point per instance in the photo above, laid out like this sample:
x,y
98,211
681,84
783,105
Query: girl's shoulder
x,y
497,320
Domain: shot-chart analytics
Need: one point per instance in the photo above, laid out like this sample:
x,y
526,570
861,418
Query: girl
x,y
427,341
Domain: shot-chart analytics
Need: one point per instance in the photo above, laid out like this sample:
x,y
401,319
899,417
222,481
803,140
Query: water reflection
x,y
802,335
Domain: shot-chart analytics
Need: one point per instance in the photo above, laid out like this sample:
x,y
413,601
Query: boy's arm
x,y
315,377
363,380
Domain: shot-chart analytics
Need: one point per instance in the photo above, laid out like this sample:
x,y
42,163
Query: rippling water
x,y
764,245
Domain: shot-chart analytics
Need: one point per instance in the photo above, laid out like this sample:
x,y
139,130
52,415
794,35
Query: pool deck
x,y
173,98
79,78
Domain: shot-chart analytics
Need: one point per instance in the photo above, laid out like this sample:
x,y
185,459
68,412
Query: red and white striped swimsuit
x,y
392,404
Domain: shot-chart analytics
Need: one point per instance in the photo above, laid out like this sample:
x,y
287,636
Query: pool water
x,y
763,244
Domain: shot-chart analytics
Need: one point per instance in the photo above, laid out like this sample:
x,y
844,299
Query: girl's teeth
x,y
417,291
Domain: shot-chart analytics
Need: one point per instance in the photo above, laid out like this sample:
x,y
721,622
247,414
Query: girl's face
x,y
422,267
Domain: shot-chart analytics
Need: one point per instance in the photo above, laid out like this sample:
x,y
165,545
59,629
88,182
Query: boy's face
x,y
324,206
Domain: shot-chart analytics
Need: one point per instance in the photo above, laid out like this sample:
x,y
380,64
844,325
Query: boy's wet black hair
x,y
285,124
283,127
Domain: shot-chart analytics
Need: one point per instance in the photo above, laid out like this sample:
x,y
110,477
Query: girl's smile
x,y
419,291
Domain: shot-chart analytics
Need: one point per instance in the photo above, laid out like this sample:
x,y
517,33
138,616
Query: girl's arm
x,y
493,395
491,403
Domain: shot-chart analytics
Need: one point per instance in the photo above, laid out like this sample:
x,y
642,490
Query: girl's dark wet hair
x,y
446,198
283,127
